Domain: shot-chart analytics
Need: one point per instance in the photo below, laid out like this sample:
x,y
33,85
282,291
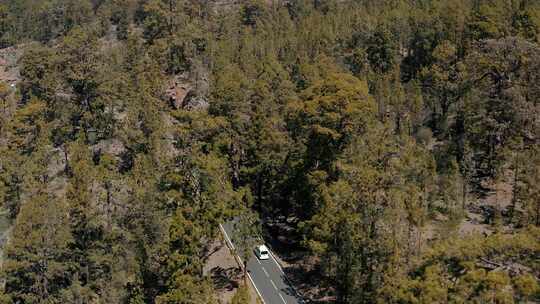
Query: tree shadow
x,y
225,279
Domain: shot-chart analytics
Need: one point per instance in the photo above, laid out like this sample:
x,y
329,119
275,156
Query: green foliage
x,y
493,117
246,235
360,122
443,82
462,271
380,51
39,71
186,290
485,22
251,12
527,192
43,20
241,296
527,286
352,230
37,264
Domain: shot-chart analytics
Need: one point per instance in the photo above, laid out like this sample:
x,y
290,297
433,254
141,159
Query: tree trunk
x,y
464,194
445,106
234,155
514,190
245,271
537,213
260,181
67,169
109,200
171,16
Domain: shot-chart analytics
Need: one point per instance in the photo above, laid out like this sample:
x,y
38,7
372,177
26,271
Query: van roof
x,y
263,248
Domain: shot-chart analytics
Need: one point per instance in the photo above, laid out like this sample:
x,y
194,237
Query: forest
x,y
395,142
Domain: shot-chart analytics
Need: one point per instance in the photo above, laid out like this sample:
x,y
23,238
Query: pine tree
x,y
37,266
241,296
245,236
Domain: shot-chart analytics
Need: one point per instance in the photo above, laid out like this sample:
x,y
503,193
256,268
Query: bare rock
x,y
183,94
112,146
177,93
9,70
195,103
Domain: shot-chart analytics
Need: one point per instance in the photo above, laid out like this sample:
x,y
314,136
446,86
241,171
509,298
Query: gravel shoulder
x,y
225,273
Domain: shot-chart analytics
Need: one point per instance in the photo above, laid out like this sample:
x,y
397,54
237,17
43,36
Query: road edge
x,y
239,260
298,295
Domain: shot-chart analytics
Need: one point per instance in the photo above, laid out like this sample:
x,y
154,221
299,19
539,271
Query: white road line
x,y
266,273
273,284
226,236
275,261
258,261
286,278
282,299
258,292
249,276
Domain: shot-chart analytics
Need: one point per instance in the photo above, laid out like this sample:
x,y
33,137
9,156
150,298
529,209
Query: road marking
x,y
266,273
258,261
251,279
256,289
275,261
286,278
226,236
249,276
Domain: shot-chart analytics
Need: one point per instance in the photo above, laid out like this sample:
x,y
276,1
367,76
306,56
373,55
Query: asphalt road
x,y
267,276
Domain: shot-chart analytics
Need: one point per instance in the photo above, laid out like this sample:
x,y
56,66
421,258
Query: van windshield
x,y
264,252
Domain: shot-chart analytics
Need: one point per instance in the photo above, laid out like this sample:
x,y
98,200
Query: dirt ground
x,y
9,70
479,208
225,273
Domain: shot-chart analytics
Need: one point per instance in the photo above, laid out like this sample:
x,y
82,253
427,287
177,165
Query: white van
x,y
262,252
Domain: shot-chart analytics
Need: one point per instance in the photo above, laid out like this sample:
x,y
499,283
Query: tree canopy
x,y
377,132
